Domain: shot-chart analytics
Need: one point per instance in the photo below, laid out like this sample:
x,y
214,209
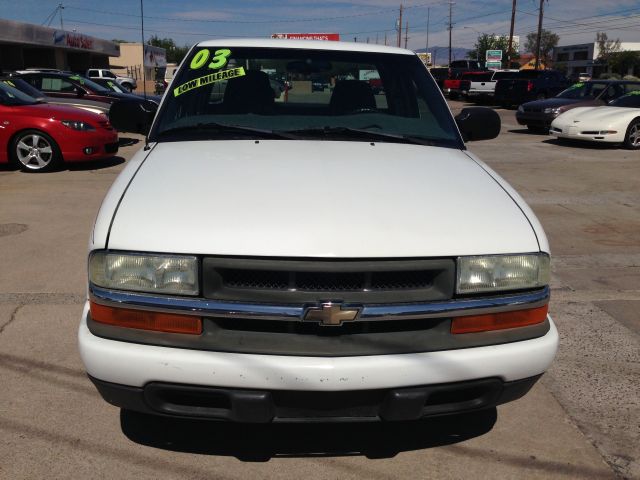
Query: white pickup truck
x,y
128,83
337,256
482,85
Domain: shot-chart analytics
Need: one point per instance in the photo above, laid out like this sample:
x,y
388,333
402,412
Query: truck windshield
x,y
305,93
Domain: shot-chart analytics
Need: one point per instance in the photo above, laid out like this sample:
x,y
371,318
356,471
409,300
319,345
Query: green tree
x,y
623,62
548,40
175,54
489,42
606,48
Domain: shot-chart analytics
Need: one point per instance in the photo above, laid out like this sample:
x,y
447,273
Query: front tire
x,y
35,151
632,138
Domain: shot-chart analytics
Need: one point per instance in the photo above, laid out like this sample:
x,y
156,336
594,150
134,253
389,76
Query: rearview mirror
x,y
133,115
478,123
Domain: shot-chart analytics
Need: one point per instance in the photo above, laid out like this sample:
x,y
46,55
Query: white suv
x,y
324,255
128,83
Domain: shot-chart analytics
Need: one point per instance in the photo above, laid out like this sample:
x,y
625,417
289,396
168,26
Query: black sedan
x,y
64,85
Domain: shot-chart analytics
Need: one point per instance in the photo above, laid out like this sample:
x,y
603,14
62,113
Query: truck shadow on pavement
x,y
261,442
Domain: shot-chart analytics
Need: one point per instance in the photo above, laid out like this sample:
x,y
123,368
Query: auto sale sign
x,y
335,37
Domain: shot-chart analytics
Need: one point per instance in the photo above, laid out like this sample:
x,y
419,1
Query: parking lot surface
x,y
580,421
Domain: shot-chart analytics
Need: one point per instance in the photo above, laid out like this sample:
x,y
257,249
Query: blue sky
x,y
187,22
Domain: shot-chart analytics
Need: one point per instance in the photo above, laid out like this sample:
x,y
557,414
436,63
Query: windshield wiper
x,y
226,128
363,132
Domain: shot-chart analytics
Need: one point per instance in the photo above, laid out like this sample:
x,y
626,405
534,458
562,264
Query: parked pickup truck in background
x,y
458,68
481,85
127,83
440,74
448,78
529,85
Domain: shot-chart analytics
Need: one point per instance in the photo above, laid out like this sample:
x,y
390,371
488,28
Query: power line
x,y
601,25
273,21
574,23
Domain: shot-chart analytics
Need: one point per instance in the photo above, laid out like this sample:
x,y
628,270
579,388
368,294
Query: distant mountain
x,y
440,55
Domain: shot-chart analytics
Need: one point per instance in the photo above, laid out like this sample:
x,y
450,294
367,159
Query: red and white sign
x,y
334,37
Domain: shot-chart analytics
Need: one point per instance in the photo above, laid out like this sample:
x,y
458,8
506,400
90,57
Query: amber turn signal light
x,y
499,321
140,319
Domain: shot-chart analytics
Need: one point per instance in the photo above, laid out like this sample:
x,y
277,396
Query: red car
x,y
39,137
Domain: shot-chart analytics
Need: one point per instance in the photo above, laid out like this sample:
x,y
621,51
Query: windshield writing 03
x,y
295,94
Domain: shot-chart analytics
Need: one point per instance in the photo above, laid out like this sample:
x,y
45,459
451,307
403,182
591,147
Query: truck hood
x,y
316,199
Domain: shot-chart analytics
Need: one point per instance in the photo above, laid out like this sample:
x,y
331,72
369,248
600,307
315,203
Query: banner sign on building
x,y
37,35
335,37
154,56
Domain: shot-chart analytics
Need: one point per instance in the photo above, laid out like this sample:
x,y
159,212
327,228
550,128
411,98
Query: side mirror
x,y
133,115
478,123
79,92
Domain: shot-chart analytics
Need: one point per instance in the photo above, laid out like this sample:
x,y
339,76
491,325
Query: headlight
x,y
552,110
171,274
502,272
521,108
77,125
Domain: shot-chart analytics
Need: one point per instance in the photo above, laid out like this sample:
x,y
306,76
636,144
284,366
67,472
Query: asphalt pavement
x,y
582,420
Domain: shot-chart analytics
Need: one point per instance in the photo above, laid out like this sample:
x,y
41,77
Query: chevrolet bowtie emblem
x,y
331,314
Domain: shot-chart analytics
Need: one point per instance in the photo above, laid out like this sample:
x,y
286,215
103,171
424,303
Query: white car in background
x,y
128,83
617,122
328,258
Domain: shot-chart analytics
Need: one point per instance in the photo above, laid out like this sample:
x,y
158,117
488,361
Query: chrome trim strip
x,y
204,307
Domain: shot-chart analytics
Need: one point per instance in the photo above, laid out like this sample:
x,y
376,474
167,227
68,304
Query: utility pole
x,y
539,34
60,8
451,27
385,38
400,28
406,34
428,14
513,21
376,39
144,53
